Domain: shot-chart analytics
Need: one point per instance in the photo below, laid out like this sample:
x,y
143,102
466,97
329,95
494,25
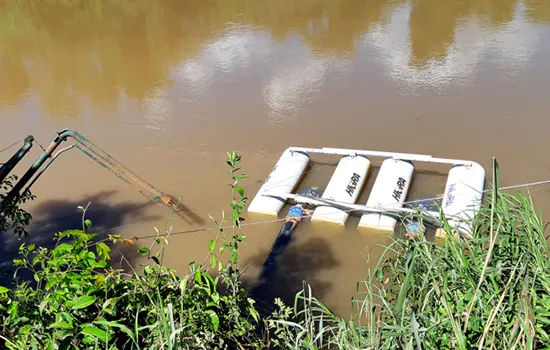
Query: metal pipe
x,y
10,164
402,156
92,151
113,165
35,167
103,158
156,195
47,165
358,208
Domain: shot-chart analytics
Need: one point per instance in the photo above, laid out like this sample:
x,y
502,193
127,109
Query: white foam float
x,y
284,178
389,191
345,186
462,197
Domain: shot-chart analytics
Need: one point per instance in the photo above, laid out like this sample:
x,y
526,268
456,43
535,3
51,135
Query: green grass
x,y
489,292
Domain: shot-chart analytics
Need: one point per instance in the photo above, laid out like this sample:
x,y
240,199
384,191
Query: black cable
x,y
10,146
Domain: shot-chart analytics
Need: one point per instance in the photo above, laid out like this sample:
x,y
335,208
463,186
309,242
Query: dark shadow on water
x,y
52,216
187,214
287,266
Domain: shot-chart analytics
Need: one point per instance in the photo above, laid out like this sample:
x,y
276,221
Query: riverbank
x,y
490,291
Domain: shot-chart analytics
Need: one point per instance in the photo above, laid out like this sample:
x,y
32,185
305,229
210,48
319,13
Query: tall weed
x,y
487,292
79,300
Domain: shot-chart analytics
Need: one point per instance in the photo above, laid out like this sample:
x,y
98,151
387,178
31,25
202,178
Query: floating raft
x,y
461,199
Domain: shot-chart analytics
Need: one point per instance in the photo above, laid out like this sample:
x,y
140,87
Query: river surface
x,y
167,87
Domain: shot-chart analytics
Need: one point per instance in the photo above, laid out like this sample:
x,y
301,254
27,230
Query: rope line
x,y
215,228
106,207
204,229
10,146
276,220
536,183
40,145
309,216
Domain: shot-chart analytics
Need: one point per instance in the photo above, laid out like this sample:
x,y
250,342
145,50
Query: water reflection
x,y
235,48
433,24
295,83
83,53
419,50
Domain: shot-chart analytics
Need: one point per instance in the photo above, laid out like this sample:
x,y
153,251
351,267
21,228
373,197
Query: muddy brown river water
x,y
167,87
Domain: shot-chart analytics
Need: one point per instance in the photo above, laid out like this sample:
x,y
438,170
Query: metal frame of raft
x,y
461,200
88,148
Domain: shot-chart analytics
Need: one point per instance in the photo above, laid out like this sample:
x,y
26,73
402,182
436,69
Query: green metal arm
x,y
12,162
99,156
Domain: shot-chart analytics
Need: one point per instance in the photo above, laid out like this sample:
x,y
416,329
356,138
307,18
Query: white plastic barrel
x,y
389,191
462,197
284,178
344,186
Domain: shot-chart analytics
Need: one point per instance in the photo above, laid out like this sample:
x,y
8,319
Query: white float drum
x,y
389,191
462,197
283,179
344,186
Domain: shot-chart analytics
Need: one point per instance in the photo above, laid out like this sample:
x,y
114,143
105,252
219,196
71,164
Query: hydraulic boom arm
x,y
89,149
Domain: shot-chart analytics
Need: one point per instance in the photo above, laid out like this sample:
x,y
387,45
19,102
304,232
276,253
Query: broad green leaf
x,y
198,277
88,223
67,317
96,333
156,260
52,282
143,251
43,304
50,345
3,290
36,259
13,309
62,248
234,257
25,329
103,250
107,305
240,190
255,315
241,176
83,302
210,281
211,245
214,320
61,325
213,260
112,324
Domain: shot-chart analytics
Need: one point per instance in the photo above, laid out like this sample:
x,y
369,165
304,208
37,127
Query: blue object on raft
x,y
415,228
296,210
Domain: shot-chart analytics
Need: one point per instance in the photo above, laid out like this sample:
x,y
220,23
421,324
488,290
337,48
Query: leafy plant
x,y
12,216
78,300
